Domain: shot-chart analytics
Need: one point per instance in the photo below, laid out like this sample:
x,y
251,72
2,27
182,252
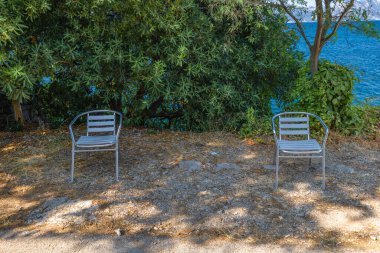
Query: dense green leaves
x,y
329,94
187,64
20,56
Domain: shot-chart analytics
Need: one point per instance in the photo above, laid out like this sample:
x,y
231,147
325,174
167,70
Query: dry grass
x,y
155,197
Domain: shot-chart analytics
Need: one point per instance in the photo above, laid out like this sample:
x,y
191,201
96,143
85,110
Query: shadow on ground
x,y
158,204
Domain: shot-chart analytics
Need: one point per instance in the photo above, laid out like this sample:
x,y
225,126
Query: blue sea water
x,y
357,51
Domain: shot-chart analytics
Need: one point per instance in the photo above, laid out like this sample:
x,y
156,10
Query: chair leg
x,y
72,164
117,162
323,171
277,168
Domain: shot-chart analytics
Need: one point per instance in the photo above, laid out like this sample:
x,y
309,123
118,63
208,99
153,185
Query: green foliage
x,y
255,125
56,121
366,120
14,126
19,63
329,94
189,65
56,104
166,64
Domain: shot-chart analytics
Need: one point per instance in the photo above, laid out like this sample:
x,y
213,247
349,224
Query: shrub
x,y
189,65
366,120
328,93
255,125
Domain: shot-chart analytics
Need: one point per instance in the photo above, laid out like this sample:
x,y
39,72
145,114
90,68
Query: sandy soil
x,y
226,204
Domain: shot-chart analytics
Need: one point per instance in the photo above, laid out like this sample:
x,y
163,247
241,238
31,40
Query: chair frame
x,y
96,147
300,154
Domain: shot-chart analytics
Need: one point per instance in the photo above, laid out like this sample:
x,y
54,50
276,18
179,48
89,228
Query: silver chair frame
x,y
298,152
100,146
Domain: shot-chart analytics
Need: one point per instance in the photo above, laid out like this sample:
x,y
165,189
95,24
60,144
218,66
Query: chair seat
x,y
102,140
299,146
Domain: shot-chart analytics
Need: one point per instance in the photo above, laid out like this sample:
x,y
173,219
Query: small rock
x,y
263,225
25,233
92,217
118,232
228,166
269,167
343,168
302,214
155,228
213,153
190,166
266,197
375,238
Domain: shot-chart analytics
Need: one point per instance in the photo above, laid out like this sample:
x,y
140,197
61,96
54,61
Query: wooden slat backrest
x,y
101,123
294,126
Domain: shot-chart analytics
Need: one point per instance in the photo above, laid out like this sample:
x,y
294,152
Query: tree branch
x,y
154,106
337,24
298,23
318,33
328,18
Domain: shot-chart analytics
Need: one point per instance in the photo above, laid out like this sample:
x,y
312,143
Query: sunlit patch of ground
x,y
157,198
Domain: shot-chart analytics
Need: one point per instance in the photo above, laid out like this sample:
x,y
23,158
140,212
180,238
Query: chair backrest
x,y
101,122
294,124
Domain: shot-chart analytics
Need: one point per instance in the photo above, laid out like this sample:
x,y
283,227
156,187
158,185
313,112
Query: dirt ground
x,y
223,195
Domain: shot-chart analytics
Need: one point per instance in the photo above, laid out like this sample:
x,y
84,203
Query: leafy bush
x,y
255,125
329,94
14,126
189,65
366,120
56,122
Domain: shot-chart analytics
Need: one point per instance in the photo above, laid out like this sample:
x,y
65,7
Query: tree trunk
x,y
314,59
17,110
317,45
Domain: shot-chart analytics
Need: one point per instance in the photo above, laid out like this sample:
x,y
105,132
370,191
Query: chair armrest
x,y
274,128
326,130
71,126
120,123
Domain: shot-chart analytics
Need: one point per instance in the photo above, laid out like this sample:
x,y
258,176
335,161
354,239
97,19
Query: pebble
x,y
190,165
118,232
343,168
228,166
269,167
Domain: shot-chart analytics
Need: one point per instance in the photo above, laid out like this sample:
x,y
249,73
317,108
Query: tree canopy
x,y
186,64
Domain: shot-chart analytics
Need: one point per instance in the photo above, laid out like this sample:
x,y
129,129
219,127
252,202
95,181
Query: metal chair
x,y
101,135
297,123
